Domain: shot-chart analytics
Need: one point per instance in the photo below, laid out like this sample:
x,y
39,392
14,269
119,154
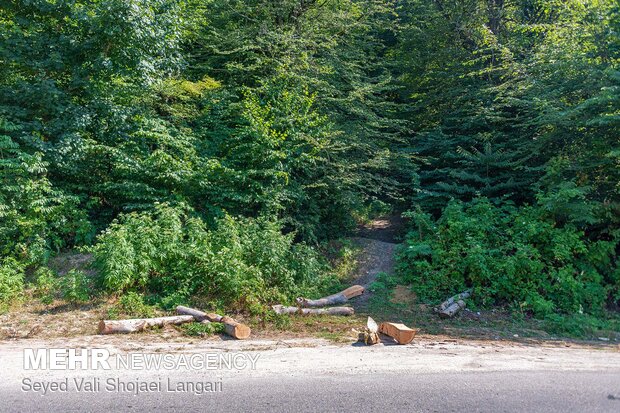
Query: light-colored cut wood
x,y
399,332
345,311
369,338
139,324
334,299
232,327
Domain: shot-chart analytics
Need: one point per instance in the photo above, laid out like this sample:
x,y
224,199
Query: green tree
x,y
335,54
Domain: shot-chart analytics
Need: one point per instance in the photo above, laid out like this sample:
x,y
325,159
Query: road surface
x,y
312,376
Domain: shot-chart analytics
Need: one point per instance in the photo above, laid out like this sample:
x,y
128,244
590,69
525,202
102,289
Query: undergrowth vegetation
x,y
527,258
207,151
240,263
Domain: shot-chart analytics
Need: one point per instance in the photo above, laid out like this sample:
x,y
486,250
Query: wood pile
x,y
397,331
321,306
453,305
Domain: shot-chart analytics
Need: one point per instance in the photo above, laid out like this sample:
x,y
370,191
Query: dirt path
x,y
390,229
378,240
376,257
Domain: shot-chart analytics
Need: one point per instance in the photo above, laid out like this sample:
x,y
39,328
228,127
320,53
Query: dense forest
x,y
206,149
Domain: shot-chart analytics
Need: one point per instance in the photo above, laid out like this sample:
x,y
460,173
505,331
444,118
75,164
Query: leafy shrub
x,y
202,330
75,287
280,322
170,253
517,256
46,285
35,217
343,256
11,282
131,304
581,325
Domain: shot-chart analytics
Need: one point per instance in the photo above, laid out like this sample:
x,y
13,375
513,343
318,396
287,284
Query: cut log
x,y
281,309
232,327
399,332
198,315
452,309
368,337
370,334
139,324
452,300
339,298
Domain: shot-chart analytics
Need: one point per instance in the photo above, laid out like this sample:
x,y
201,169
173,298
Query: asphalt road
x,y
427,392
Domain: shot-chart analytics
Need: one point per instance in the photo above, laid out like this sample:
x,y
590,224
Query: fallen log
x,y
232,327
452,309
452,300
140,324
281,309
399,332
334,299
198,315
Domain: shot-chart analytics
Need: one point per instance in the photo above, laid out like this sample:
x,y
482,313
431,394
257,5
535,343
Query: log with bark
x,y
452,309
453,304
399,332
232,327
139,324
369,335
281,309
334,299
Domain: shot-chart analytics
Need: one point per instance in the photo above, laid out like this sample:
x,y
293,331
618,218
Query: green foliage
x,y
500,89
34,217
305,124
131,103
242,262
131,305
202,330
382,284
516,102
515,256
343,256
280,322
11,283
581,325
75,287
280,157
46,285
